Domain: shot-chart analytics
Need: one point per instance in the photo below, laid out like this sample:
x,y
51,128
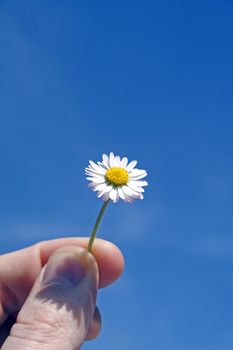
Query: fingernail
x,y
66,268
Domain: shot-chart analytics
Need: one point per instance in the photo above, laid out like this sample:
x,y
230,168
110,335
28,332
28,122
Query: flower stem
x,y
96,226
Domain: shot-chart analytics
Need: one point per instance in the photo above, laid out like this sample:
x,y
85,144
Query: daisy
x,y
113,179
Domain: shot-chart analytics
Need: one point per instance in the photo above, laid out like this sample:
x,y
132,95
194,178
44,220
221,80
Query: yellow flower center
x,y
117,176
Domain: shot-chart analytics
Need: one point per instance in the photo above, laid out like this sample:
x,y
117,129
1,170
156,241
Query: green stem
x,y
96,226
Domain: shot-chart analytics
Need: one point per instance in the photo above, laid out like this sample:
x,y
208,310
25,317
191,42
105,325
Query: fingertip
x,y
110,261
108,256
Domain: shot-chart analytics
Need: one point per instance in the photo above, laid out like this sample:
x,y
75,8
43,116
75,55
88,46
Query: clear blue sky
x,y
152,80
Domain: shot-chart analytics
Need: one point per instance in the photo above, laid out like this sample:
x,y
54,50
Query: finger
x,y
58,311
19,270
93,331
95,326
108,256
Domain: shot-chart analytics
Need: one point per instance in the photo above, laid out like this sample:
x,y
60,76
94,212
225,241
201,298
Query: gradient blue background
x,y
152,80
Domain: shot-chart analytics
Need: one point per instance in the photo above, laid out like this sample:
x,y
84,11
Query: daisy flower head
x,y
114,178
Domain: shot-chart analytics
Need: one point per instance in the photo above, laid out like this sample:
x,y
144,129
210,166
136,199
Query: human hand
x,y
53,286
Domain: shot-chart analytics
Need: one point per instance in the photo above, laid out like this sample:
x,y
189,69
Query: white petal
x,y
131,165
113,194
97,180
135,178
124,162
98,176
97,171
117,161
130,192
97,168
117,196
105,160
88,172
100,194
93,165
137,173
92,185
101,170
139,183
111,160
106,188
89,169
103,187
102,166
109,188
105,157
129,199
121,193
94,174
134,187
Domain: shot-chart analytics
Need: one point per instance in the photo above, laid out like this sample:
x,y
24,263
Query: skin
x,y
48,293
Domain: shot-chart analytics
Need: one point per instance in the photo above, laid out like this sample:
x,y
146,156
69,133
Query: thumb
x,y
60,306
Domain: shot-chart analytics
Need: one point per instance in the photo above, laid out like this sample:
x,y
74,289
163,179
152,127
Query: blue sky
x,y
152,80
